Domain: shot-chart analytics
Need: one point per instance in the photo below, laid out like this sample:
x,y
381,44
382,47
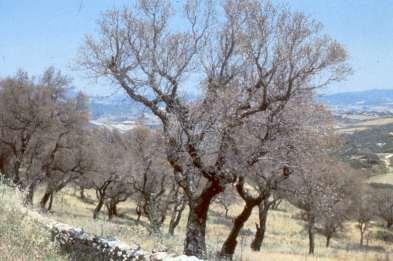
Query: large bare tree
x,y
247,59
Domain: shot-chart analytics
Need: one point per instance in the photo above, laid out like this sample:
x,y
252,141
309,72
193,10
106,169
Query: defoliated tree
x,y
150,176
37,118
259,58
383,200
302,125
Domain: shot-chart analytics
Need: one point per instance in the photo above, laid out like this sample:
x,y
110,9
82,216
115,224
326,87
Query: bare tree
x,y
334,205
260,57
227,199
25,114
69,160
323,190
384,202
363,209
301,125
37,117
151,177
66,153
110,176
179,204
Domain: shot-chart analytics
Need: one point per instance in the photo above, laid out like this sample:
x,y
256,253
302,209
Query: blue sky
x,y
40,33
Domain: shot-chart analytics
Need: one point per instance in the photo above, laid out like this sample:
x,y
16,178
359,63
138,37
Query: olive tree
x,y
150,175
334,201
384,202
109,176
323,189
38,122
363,208
265,174
246,62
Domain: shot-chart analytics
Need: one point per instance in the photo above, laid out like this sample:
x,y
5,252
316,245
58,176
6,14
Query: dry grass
x,y
285,238
21,238
385,179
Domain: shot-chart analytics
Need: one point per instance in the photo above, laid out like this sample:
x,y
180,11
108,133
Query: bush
x,y
384,236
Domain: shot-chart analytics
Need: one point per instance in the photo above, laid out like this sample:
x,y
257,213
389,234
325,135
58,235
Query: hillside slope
x,y
21,238
286,238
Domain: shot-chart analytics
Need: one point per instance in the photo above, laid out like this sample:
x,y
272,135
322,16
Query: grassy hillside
x,y
20,237
285,239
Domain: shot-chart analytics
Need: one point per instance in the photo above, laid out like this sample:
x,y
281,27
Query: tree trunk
x,y
176,216
226,211
195,244
361,233
153,214
261,229
15,175
30,194
195,233
51,201
98,207
138,211
311,234
3,159
82,194
328,241
229,246
44,200
112,209
389,223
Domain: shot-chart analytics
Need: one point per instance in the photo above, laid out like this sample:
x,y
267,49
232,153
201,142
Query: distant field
x,y
364,125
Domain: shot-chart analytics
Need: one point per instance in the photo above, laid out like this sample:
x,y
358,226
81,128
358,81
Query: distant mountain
x,y
119,107
370,98
377,101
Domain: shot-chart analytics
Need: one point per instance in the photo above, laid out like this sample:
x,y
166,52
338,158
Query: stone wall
x,y
80,245
83,246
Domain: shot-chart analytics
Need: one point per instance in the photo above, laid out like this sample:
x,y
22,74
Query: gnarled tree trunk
x,y
261,228
52,195
152,211
176,216
98,207
13,174
44,200
195,244
112,209
229,246
30,194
